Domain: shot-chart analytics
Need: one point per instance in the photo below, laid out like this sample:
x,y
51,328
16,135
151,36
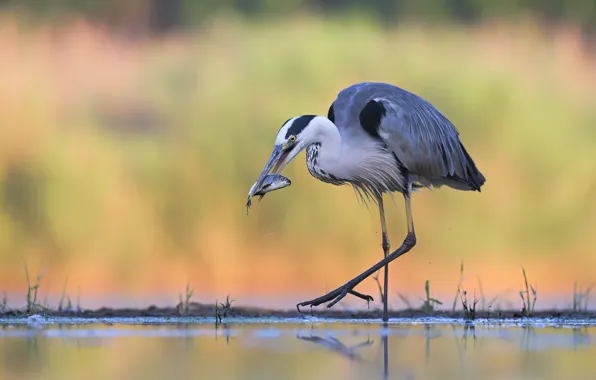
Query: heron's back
x,y
422,139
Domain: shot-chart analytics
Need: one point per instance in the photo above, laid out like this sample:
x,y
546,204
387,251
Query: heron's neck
x,y
327,150
330,141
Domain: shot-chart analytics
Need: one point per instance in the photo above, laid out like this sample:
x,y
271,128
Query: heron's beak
x,y
277,161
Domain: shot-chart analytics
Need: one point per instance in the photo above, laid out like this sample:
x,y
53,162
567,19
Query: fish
x,y
271,183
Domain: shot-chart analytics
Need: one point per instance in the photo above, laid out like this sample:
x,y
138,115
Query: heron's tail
x,y
472,177
468,179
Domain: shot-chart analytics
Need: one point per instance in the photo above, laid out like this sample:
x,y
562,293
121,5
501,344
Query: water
x,y
294,349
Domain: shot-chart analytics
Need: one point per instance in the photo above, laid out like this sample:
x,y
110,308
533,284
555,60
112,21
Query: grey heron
x,y
378,138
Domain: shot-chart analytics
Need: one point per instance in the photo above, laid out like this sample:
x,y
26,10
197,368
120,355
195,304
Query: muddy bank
x,y
208,310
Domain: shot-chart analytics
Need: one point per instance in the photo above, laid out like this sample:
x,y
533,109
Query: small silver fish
x,y
271,183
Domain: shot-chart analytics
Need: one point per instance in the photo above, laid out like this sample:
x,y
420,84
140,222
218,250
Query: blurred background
x,y
131,132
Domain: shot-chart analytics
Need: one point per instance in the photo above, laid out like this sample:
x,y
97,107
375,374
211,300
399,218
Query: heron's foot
x,y
335,296
365,297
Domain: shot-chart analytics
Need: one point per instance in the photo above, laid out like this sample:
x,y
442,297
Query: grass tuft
x,y
64,298
469,310
4,303
222,310
32,305
528,306
579,297
429,302
482,296
405,300
459,285
186,301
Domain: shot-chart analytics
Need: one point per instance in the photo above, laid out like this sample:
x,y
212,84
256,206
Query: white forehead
x,y
281,135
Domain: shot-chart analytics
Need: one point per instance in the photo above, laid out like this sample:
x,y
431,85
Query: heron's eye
x,y
292,139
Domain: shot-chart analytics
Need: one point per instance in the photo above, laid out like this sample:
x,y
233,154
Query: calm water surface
x,y
295,350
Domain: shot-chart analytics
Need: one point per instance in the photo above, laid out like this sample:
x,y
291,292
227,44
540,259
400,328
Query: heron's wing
x,y
423,140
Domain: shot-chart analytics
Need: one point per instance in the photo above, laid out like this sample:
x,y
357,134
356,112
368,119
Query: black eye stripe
x,y
299,124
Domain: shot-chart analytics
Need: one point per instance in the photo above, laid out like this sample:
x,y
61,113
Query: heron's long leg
x,y
409,214
339,293
386,246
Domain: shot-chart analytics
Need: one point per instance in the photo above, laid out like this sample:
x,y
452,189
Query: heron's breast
x,y
315,169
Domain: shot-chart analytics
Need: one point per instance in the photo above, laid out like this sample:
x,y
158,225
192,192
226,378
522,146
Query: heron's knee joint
x,y
411,239
385,244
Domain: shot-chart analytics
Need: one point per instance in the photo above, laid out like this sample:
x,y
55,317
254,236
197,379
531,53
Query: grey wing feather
x,y
427,143
424,141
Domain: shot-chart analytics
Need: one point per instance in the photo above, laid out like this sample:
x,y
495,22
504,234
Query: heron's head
x,y
294,135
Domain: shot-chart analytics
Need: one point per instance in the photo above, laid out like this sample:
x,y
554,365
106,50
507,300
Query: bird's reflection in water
x,y
350,352
335,345
384,336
